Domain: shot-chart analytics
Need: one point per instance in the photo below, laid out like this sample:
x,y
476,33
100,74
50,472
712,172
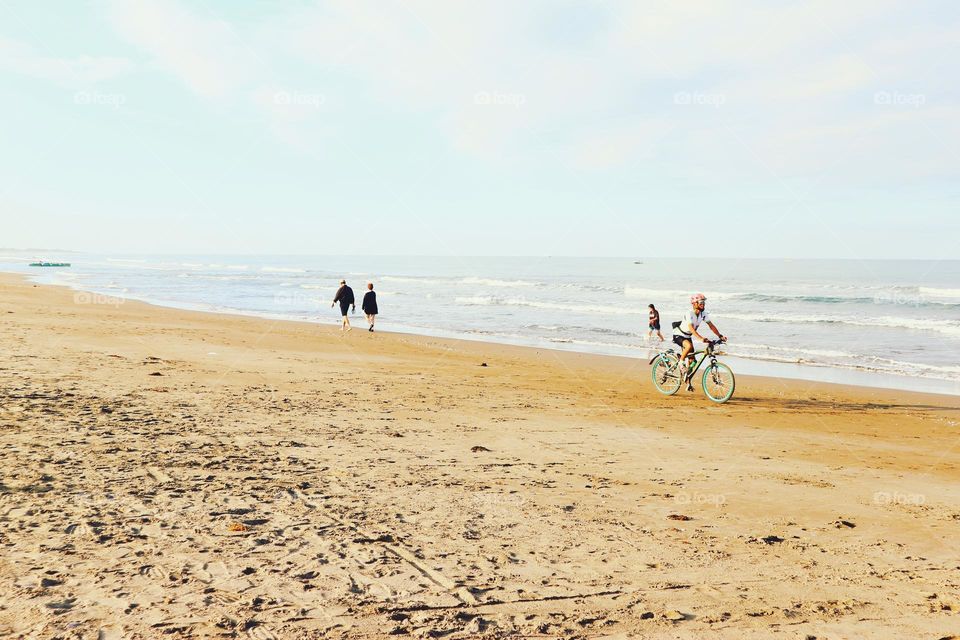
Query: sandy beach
x,y
171,473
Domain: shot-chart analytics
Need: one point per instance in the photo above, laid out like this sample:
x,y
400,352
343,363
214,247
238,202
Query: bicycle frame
x,y
704,354
692,372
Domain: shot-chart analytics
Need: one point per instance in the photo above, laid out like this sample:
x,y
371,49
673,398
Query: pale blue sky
x,y
773,129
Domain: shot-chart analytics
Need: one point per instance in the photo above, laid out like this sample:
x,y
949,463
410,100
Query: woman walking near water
x,y
654,325
369,305
345,298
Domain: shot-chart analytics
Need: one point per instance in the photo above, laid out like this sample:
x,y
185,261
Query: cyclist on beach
x,y
686,330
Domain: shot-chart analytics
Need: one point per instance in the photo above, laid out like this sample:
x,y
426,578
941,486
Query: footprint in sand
x,y
303,570
261,632
224,597
154,573
61,606
79,529
109,633
216,570
198,572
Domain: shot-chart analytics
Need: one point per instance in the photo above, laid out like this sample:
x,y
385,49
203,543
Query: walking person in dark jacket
x,y
345,298
369,305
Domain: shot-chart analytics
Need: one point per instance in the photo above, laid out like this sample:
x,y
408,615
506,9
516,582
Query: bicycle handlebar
x,y
713,343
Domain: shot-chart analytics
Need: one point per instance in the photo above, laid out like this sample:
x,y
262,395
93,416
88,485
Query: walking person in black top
x,y
654,323
369,305
345,298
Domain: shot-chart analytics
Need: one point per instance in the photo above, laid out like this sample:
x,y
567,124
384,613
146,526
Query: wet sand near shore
x,y
177,474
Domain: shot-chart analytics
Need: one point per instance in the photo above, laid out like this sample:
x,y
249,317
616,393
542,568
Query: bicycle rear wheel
x,y
718,382
666,374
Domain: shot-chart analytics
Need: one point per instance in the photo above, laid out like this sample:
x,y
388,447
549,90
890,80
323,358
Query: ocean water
x,y
880,323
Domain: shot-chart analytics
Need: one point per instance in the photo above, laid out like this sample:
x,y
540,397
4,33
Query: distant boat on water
x,y
49,264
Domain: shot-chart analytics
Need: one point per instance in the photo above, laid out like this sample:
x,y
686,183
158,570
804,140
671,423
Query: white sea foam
x,y
218,278
476,300
414,280
591,343
940,293
946,327
282,270
823,353
492,282
659,295
536,304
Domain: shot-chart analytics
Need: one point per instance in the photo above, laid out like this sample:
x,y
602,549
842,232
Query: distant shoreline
x,y
802,372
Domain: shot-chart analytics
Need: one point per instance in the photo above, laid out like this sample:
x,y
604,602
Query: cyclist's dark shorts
x,y
678,340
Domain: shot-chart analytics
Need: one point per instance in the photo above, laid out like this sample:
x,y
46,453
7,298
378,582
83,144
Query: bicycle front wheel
x,y
666,374
718,382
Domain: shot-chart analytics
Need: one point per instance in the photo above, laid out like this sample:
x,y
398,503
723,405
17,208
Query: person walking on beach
x,y
369,305
345,298
654,323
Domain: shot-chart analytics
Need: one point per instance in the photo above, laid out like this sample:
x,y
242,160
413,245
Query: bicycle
x,y
718,381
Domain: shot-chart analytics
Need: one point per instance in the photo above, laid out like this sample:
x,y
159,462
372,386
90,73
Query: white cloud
x,y
419,53
431,57
887,143
832,77
783,72
202,51
421,56
79,71
614,146
680,39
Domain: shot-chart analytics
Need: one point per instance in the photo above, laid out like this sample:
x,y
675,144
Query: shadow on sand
x,y
812,404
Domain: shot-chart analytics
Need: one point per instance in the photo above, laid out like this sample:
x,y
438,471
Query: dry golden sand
x,y
186,474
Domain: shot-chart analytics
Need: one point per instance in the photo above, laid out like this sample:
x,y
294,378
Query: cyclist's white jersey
x,y
689,320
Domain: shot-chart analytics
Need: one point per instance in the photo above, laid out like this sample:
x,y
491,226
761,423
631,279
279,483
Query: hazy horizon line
x,y
470,256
